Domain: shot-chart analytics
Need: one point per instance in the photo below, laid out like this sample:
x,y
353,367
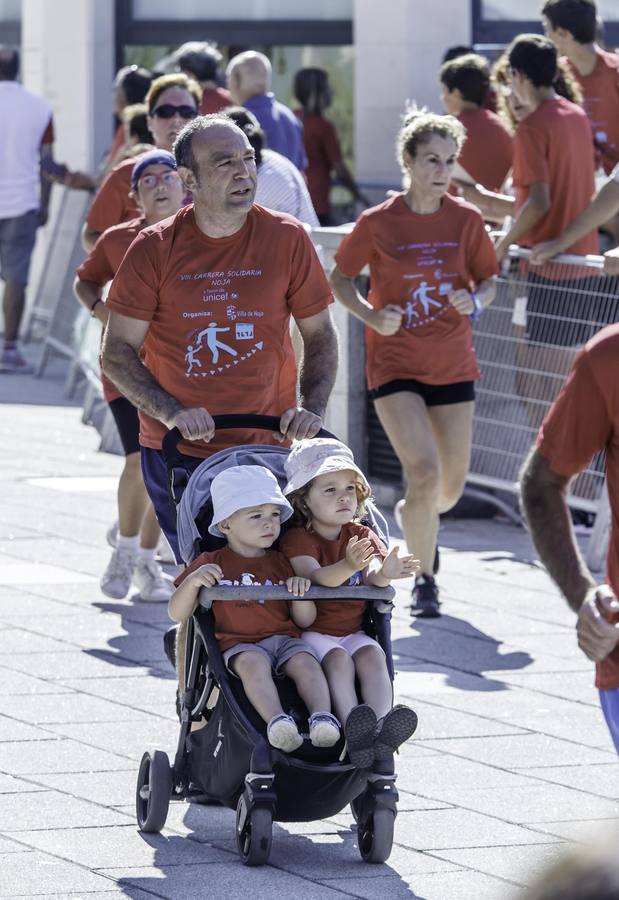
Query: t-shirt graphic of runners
x,y
213,343
421,297
192,359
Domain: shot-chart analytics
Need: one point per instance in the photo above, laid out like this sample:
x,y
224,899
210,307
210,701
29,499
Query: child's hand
x,y
395,566
359,553
208,575
297,585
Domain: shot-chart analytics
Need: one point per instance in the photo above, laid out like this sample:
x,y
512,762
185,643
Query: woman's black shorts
x,y
128,424
432,394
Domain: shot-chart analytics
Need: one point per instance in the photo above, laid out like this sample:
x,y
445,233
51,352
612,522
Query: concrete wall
x,y
398,50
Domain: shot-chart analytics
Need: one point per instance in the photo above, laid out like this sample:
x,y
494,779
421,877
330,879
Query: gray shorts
x,y
278,649
17,237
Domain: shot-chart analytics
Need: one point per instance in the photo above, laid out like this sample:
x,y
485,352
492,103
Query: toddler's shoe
x,y
116,580
360,731
394,728
324,729
283,734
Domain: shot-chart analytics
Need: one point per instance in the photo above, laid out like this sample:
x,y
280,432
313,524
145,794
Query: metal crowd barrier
x,y
525,342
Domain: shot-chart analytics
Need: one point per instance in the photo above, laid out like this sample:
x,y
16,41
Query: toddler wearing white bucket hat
x,y
257,636
332,548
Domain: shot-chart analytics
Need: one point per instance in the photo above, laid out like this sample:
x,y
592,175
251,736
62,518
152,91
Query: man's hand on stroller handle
x,y
298,423
194,423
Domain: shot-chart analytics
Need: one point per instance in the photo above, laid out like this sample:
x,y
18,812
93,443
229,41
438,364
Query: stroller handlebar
x,y
207,596
249,421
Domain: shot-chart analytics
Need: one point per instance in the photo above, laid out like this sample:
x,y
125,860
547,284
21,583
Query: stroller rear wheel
x,y
375,836
254,833
154,789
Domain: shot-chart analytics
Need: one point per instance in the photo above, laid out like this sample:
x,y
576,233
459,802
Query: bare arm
x,y
326,576
343,174
320,358
535,208
494,207
88,293
385,321
184,600
303,612
45,185
543,494
600,210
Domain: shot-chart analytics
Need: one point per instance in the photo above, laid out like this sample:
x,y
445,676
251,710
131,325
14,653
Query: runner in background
x,y
322,146
158,192
172,101
432,266
201,61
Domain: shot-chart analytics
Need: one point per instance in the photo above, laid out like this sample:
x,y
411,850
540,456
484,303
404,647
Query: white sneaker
x,y
116,579
164,552
283,734
153,585
12,362
111,534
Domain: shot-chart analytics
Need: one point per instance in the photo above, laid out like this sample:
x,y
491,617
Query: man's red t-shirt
x,y
322,148
112,203
416,261
219,312
583,420
488,150
214,100
601,102
248,621
342,617
101,265
553,145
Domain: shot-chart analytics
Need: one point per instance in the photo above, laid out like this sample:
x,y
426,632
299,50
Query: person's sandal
x,y
324,729
360,731
283,734
394,729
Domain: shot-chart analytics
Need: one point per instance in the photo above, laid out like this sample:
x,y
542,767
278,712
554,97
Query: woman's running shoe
x,y
425,603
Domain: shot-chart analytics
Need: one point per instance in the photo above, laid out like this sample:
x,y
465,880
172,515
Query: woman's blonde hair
x,y
302,514
419,126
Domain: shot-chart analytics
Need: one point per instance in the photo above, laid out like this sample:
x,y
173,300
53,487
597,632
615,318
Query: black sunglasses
x,y
168,111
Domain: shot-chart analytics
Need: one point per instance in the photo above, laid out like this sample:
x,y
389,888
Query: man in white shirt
x,y
26,137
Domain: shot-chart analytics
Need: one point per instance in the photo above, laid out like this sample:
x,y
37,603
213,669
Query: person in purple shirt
x,y
249,79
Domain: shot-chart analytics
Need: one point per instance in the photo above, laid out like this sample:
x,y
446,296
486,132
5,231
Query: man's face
x,y
159,192
558,36
226,166
173,108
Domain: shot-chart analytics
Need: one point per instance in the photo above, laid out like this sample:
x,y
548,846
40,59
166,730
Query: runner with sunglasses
x,y
173,100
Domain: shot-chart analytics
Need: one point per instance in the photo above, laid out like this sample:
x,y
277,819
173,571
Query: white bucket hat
x,y
241,487
318,456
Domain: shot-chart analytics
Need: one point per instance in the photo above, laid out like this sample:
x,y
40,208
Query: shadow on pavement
x,y
460,650
141,645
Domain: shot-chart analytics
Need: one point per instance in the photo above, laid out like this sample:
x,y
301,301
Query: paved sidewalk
x,y
511,760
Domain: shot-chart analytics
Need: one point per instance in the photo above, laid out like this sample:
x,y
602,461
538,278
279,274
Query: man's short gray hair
x,y
183,144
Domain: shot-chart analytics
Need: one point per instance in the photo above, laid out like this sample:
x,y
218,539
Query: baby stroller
x,y
229,760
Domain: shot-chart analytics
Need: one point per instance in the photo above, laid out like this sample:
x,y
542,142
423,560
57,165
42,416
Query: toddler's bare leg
x,y
340,671
376,688
310,681
254,670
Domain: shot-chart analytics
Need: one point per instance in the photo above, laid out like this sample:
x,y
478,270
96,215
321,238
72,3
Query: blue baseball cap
x,y
152,158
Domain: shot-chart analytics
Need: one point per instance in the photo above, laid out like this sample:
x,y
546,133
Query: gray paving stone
x,y
17,683
440,722
121,845
11,785
127,738
584,830
97,787
62,755
7,845
78,664
14,730
451,828
17,641
462,885
520,864
46,875
446,772
523,751
66,708
143,692
225,881
50,809
532,804
601,779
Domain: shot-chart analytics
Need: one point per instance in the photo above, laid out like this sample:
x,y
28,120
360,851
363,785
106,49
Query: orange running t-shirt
x,y
583,420
219,313
322,148
112,203
101,265
488,149
601,102
214,100
415,261
332,617
553,145
248,621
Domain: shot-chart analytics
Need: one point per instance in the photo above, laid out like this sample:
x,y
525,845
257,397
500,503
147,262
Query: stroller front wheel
x,y
375,836
254,833
153,791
